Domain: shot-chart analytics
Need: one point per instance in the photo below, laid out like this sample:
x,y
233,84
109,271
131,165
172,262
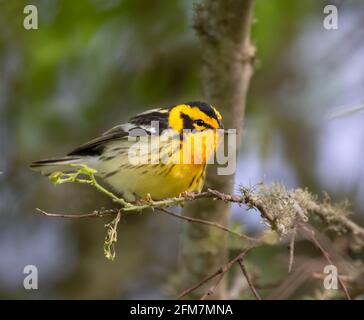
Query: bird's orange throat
x,y
199,147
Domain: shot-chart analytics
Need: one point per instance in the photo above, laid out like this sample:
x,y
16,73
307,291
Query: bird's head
x,y
197,116
197,123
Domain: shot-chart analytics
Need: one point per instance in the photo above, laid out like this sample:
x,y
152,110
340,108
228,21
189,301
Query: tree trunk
x,y
223,27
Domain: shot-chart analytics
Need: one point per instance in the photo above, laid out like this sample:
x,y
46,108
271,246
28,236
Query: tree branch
x,y
284,211
221,271
291,249
110,212
248,279
280,208
312,237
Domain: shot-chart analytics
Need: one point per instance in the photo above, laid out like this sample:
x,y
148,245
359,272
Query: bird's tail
x,y
48,166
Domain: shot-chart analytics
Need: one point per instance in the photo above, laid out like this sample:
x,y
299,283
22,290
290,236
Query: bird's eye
x,y
200,122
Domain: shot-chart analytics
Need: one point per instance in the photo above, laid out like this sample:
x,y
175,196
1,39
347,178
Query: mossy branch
x,y
281,209
284,211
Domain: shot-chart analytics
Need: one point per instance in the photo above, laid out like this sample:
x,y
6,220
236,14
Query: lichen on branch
x,y
282,210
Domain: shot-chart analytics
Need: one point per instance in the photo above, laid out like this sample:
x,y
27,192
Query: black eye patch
x,y
200,122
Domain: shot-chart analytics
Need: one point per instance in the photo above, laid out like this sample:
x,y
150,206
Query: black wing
x,y
136,126
96,146
144,120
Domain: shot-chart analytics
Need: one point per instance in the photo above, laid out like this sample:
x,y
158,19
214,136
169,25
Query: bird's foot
x,y
189,195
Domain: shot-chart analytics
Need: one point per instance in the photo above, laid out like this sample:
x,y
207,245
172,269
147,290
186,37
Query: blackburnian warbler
x,y
159,153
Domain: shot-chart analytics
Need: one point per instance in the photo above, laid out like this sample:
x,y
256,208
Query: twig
x,y
247,197
111,237
324,212
291,249
212,224
221,270
89,173
111,234
327,257
319,275
94,214
261,201
211,290
110,212
248,279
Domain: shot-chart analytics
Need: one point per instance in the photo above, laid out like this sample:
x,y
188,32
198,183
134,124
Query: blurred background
x,y
94,63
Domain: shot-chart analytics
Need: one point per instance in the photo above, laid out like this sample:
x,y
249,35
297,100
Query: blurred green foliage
x,y
91,65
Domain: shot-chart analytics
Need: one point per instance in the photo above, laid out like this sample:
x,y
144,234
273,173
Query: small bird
x,y
159,153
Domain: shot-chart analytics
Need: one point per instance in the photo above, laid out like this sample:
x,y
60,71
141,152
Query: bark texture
x,y
223,27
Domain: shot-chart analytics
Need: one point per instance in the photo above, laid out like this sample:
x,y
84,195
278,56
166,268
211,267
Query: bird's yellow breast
x,y
159,181
184,170
199,147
